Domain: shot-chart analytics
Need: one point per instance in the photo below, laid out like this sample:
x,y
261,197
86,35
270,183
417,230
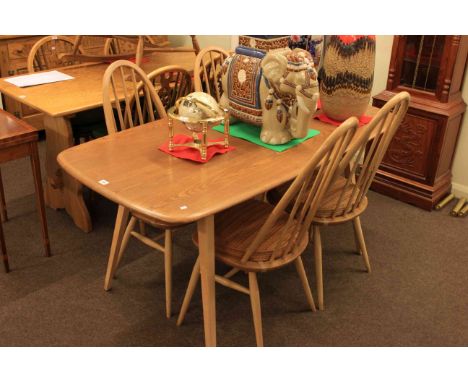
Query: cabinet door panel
x,y
410,150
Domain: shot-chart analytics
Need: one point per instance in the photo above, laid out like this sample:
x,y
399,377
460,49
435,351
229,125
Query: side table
x,y
18,140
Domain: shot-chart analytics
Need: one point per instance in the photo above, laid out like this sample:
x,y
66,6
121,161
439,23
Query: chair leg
x,y
318,265
123,245
256,310
356,242
305,283
190,290
168,269
3,210
142,227
362,243
36,169
4,252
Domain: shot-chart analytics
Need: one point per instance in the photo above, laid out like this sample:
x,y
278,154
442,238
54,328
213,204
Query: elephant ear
x,y
274,66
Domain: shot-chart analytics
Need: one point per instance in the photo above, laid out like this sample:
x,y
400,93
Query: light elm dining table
x,y
130,170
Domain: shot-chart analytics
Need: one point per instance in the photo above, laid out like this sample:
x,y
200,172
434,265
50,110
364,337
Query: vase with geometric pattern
x,y
347,75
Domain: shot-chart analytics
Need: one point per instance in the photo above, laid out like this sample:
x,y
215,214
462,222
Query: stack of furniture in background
x,y
14,52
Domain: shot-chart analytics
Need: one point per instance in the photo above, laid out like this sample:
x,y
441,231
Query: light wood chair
x,y
258,237
346,199
208,71
171,82
140,104
47,53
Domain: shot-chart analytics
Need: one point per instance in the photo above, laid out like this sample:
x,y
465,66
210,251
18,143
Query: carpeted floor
x,y
417,294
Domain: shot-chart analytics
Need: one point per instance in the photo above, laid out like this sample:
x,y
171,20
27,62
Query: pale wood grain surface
x,y
84,92
151,182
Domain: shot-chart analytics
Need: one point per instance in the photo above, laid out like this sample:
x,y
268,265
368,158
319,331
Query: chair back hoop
x,y
129,98
46,53
305,194
195,44
121,45
208,71
171,83
363,159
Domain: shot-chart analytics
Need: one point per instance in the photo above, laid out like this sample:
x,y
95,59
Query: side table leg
x,y
63,191
36,170
4,252
206,247
3,210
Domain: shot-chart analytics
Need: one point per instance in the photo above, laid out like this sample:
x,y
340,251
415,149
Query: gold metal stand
x,y
198,127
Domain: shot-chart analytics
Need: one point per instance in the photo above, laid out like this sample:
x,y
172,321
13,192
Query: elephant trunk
x,y
301,113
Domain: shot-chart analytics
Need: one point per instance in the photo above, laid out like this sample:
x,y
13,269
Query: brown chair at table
x,y
208,71
46,53
346,199
257,237
171,82
18,140
140,105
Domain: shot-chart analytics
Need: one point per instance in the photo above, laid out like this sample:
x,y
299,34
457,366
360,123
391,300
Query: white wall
x,y
460,163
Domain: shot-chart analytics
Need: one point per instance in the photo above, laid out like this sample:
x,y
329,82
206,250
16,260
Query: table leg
x,y
206,247
119,230
3,210
36,169
63,191
4,251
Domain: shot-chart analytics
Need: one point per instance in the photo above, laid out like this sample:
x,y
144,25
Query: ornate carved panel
x,y
410,149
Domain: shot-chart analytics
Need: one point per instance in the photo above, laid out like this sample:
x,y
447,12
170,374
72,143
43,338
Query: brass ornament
x,y
198,126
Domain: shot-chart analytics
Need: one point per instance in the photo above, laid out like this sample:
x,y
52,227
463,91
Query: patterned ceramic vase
x,y
347,75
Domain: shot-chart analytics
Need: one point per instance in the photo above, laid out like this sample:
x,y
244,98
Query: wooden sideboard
x,y
14,52
417,166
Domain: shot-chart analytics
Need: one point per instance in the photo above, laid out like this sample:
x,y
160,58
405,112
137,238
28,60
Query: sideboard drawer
x,y
20,49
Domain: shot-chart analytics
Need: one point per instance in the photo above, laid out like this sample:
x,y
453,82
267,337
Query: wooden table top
x,y
84,92
14,130
147,180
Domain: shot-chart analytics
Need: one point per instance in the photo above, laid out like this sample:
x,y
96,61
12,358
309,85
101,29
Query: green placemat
x,y
251,133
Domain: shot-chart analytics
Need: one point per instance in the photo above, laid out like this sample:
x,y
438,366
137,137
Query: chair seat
x,y
236,228
331,202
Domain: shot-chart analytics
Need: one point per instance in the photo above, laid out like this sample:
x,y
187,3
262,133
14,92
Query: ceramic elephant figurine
x,y
278,91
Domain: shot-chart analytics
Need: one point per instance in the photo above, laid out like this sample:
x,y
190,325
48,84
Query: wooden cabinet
x,y
14,52
417,166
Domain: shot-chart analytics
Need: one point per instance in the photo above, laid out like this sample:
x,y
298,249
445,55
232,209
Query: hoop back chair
x,y
208,71
171,82
46,53
258,237
346,200
140,104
